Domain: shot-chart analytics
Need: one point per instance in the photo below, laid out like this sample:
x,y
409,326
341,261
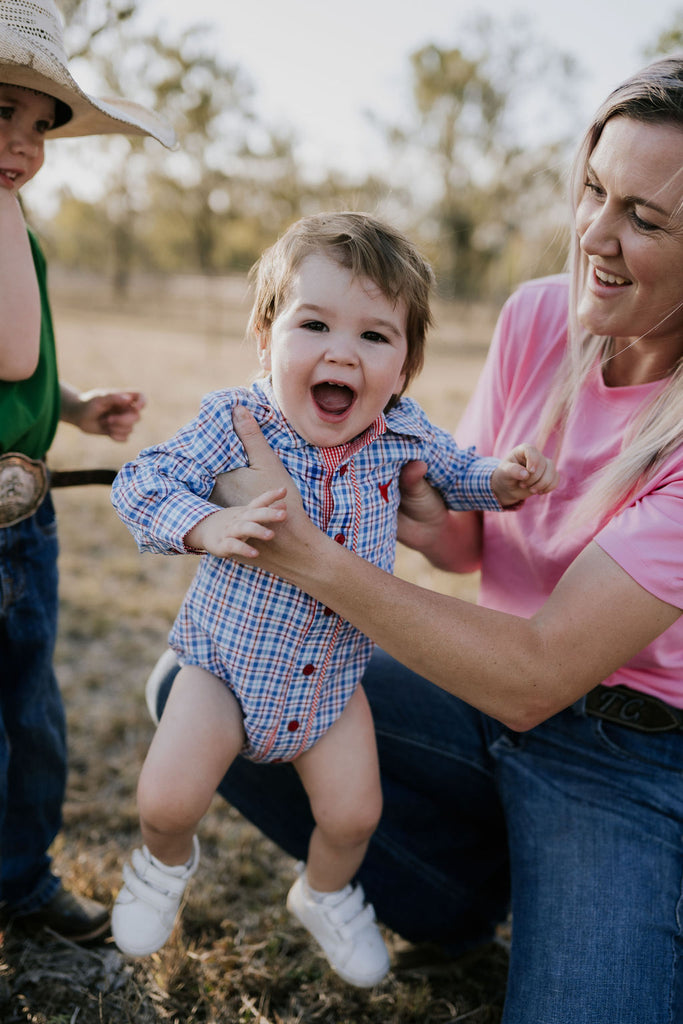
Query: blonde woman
x,y
544,771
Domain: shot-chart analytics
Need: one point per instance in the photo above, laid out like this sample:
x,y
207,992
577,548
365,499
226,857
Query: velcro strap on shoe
x,y
352,913
359,922
152,877
144,892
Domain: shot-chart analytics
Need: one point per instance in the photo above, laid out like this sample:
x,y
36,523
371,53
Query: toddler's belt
x,y
633,709
24,483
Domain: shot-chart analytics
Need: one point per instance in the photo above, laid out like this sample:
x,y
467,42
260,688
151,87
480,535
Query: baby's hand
x,y
225,533
525,471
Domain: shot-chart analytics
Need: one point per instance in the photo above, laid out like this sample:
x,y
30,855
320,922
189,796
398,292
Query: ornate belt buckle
x,y
23,485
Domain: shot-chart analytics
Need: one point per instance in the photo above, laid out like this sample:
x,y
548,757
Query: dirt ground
x,y
235,957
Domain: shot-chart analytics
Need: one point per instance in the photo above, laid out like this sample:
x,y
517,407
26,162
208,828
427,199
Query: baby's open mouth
x,y
333,399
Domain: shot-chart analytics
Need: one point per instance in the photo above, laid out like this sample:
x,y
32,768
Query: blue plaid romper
x,y
292,663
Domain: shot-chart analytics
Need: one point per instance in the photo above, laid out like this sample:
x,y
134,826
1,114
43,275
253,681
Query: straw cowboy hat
x,y
32,55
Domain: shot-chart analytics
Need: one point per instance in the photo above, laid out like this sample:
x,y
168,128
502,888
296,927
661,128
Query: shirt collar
x,y
263,388
402,419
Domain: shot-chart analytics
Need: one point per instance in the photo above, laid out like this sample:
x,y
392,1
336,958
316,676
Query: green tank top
x,y
29,409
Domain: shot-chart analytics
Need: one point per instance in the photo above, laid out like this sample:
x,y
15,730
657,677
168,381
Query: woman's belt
x,y
24,482
633,709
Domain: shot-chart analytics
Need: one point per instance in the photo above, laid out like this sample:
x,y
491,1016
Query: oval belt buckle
x,y
23,485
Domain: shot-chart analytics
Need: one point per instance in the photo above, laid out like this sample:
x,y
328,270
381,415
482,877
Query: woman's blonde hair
x,y
365,246
653,95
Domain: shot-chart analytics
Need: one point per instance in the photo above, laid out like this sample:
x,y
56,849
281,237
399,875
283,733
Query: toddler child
x,y
340,317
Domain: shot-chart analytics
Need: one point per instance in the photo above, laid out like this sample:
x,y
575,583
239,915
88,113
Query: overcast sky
x,y
318,65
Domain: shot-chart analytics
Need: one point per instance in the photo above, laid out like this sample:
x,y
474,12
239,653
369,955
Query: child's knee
x,y
162,820
152,806
372,812
160,808
354,827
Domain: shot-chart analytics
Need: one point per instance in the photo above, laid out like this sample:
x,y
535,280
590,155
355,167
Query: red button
x,y
340,538
308,670
293,726
342,470
327,611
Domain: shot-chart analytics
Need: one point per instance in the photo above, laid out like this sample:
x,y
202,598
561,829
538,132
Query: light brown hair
x,y
368,248
653,95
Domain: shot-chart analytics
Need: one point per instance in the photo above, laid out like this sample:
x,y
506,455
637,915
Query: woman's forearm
x,y
450,540
459,546
520,671
480,655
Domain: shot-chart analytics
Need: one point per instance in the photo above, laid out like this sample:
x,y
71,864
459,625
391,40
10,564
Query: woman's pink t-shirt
x,y
527,551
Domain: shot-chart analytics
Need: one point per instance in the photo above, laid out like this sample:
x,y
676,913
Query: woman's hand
x,y
286,552
265,471
450,540
422,513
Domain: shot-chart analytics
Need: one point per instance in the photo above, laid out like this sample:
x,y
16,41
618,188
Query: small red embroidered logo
x,y
384,490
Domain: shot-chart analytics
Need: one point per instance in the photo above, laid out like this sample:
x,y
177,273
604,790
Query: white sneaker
x,y
166,665
145,910
346,928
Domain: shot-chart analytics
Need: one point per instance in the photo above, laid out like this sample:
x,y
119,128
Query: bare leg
x,y
199,735
341,776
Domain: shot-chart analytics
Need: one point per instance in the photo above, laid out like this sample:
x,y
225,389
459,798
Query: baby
x,y
340,317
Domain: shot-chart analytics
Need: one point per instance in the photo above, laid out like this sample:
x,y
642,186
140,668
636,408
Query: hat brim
x,y
90,116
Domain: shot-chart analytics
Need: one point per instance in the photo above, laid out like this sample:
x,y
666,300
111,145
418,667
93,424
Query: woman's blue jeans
x,y
577,826
32,726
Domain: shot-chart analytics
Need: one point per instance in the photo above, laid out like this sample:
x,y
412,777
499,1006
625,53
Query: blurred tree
x,y
209,105
476,180
227,194
87,19
485,173
77,232
208,206
670,40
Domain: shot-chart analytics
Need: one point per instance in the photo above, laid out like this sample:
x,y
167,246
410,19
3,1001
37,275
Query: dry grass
x,y
235,957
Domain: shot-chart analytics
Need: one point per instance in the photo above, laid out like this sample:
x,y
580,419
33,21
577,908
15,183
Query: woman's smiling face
x,y
630,226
